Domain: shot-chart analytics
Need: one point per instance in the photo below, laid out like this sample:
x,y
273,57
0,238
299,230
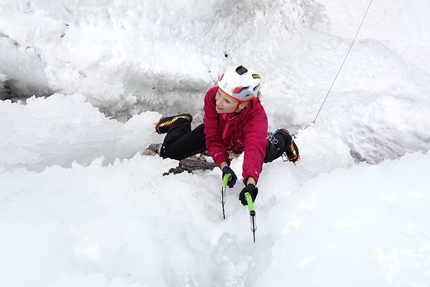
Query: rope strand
x,y
341,66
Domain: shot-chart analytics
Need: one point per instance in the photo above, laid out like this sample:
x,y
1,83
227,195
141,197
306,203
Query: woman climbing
x,y
234,120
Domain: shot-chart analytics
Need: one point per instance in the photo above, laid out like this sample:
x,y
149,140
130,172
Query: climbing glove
x,y
233,178
251,189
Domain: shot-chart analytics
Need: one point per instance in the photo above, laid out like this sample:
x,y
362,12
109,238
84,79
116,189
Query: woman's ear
x,y
242,105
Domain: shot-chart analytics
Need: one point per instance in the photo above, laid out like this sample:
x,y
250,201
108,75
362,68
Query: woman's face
x,y
226,104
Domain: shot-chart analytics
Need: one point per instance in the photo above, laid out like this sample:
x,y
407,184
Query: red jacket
x,y
243,132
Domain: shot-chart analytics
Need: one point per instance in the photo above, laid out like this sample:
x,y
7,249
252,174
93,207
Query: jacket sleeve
x,y
214,142
255,145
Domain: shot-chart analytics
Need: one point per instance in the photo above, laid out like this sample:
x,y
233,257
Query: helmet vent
x,y
239,89
241,70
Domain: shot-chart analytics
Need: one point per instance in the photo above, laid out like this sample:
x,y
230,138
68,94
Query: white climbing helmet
x,y
240,83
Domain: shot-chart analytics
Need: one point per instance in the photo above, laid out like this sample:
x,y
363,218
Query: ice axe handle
x,y
250,204
225,179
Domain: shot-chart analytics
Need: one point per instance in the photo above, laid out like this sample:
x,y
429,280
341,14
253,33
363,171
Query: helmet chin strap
x,y
237,107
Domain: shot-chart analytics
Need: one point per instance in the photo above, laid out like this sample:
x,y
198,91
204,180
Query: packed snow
x,y
84,81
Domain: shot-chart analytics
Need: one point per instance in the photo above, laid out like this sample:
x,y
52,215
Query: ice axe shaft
x,y
251,213
225,179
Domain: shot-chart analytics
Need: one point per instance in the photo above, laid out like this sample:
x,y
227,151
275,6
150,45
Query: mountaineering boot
x,y
291,148
163,125
287,144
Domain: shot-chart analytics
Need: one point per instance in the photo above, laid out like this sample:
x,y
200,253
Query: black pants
x,y
182,142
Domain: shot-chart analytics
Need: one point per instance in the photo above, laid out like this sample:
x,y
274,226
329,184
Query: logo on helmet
x,y
256,76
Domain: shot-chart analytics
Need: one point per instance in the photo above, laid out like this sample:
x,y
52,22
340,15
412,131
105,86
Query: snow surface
x,y
84,81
